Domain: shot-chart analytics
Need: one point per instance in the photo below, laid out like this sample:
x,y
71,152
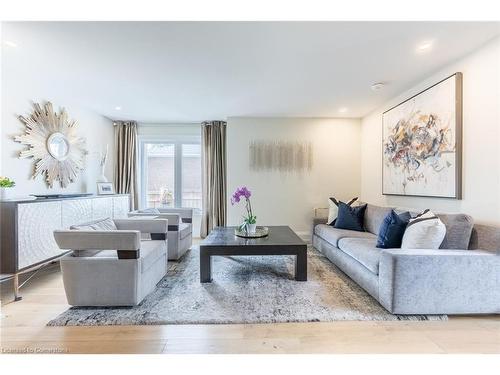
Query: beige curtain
x,y
213,143
126,160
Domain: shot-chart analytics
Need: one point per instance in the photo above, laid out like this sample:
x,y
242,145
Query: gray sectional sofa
x,y
462,277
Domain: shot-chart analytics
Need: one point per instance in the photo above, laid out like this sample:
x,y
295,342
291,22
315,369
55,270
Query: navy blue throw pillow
x,y
392,230
350,217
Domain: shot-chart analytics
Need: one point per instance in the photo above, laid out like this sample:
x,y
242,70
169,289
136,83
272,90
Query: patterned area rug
x,y
244,290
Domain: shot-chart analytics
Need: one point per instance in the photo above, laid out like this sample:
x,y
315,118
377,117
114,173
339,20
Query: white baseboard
x,y
304,236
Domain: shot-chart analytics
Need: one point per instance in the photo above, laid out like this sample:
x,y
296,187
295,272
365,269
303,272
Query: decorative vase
x,y
251,228
102,177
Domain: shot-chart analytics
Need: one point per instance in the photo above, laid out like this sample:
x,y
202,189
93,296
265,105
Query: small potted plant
x,y
6,186
250,220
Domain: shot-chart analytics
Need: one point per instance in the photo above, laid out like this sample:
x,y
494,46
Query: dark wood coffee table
x,y
281,241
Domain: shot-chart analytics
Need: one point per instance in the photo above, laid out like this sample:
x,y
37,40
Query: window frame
x,y
177,141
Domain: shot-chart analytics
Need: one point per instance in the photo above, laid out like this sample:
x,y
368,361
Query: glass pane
x,y
160,162
191,176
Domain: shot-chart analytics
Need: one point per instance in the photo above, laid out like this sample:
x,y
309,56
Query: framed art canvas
x,y
422,143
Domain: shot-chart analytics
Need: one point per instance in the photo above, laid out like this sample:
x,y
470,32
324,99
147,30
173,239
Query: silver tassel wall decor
x,y
282,156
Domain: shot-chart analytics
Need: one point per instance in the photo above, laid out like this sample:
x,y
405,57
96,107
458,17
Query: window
x,y
160,174
191,175
170,174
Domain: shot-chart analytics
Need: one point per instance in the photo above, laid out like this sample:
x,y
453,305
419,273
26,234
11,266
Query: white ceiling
x,y
193,71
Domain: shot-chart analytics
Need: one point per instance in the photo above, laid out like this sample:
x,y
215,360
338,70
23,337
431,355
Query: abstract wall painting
x,y
422,143
282,156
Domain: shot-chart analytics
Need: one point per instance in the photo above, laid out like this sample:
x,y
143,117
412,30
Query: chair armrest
x,y
186,214
420,281
173,219
143,225
98,240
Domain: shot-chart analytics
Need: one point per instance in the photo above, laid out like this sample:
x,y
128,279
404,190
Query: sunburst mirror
x,y
58,153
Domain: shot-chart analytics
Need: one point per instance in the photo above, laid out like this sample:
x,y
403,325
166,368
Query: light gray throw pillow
x,y
103,224
150,211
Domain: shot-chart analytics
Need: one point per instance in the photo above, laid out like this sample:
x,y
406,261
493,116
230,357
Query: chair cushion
x,y
332,235
151,252
185,230
103,224
363,250
374,216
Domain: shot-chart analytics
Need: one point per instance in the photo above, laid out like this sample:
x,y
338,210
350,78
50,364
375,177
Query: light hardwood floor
x,y
23,329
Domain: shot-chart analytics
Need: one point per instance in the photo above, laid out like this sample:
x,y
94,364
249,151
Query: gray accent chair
x,y
462,277
112,267
180,228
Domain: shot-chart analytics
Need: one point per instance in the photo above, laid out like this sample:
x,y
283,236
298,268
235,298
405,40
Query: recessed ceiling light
x,y
377,86
425,46
343,110
118,108
10,43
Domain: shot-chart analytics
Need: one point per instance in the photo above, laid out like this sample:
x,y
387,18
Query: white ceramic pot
x,y
251,228
6,193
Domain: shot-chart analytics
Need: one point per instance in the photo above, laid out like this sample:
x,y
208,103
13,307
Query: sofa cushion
x,y
185,230
350,217
333,235
485,237
151,252
374,216
458,231
363,250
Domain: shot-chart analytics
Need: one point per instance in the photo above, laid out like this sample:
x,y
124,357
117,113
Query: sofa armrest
x,y
420,281
319,220
159,225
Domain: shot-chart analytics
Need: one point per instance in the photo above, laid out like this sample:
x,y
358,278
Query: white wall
x,y
481,141
289,199
27,77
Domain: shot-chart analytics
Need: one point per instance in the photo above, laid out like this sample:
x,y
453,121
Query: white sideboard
x,y
28,226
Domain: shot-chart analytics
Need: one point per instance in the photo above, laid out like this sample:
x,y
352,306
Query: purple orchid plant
x,y
240,193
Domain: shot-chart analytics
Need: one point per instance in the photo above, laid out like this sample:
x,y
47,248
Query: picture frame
x,y
422,143
105,188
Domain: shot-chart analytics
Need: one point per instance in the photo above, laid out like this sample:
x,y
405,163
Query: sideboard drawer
x,y
36,223
121,207
102,208
76,211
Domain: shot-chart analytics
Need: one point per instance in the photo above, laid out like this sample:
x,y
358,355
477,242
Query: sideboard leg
x,y
17,297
